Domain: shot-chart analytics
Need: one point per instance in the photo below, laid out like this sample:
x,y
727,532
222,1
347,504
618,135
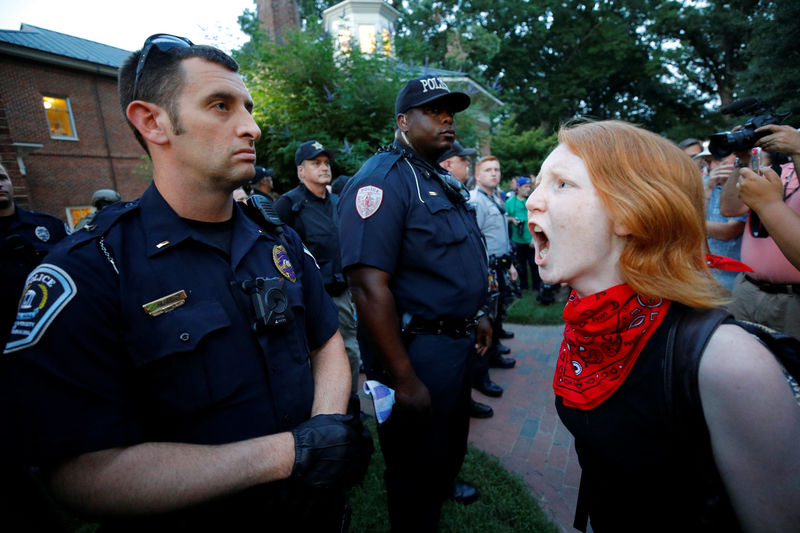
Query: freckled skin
x,y
581,247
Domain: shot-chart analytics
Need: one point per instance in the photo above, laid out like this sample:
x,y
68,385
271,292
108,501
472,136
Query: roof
x,y
32,41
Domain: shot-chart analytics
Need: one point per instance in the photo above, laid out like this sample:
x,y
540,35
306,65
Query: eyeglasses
x,y
164,42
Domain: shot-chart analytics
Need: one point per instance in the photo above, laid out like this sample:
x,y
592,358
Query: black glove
x,y
331,451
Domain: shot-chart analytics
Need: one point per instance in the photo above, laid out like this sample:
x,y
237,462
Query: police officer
x,y
311,211
418,272
493,222
100,199
261,183
178,367
27,236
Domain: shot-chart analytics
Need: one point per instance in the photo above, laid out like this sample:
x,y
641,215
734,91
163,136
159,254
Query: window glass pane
x,y
366,37
59,118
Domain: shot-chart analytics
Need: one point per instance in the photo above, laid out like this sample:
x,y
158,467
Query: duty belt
x,y
774,288
453,327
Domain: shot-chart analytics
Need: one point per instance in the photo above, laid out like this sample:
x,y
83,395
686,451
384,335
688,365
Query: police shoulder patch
x,y
368,200
47,292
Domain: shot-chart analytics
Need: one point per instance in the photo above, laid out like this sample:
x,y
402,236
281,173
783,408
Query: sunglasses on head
x,y
164,42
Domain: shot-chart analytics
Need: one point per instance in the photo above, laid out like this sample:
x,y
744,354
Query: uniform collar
x,y
418,160
164,229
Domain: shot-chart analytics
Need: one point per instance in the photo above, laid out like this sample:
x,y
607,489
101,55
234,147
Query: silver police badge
x,y
42,233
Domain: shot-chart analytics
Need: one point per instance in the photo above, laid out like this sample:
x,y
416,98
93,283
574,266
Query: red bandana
x,y
604,335
720,262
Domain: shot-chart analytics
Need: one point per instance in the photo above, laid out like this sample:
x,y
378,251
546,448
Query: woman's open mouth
x,y
541,242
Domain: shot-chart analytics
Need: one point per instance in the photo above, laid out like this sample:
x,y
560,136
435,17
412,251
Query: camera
x,y
725,143
270,302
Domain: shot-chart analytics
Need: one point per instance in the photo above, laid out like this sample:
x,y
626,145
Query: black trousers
x,y
524,257
424,451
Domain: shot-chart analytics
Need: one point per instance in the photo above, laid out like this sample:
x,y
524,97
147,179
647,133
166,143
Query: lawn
x,y
525,310
505,505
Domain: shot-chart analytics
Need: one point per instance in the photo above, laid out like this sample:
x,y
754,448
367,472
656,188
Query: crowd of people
x,y
229,327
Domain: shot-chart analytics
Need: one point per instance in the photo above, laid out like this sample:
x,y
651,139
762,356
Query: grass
x,y
505,505
525,310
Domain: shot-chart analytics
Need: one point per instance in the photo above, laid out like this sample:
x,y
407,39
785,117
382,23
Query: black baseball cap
x,y
310,150
261,173
457,150
422,90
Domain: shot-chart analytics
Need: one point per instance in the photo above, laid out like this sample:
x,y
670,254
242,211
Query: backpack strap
x,y
686,341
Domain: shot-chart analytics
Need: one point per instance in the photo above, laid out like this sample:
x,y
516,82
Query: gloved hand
x,y
331,451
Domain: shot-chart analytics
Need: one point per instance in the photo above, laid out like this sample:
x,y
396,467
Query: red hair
x,y
651,187
484,160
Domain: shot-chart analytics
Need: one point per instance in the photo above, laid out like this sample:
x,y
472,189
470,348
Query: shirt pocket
x,y
448,227
181,359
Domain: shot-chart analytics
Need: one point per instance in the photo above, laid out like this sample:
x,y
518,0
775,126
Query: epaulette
x,y
377,166
102,222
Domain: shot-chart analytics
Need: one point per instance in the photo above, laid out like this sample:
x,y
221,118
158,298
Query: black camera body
x,y
270,302
725,143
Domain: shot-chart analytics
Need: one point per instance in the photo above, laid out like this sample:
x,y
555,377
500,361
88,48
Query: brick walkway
x,y
525,433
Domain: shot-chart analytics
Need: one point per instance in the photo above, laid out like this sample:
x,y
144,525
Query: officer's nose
x,y
249,128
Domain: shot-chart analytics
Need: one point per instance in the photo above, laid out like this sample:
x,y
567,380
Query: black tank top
x,y
641,470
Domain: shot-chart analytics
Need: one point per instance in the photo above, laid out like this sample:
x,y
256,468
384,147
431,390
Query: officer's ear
x,y
402,122
151,120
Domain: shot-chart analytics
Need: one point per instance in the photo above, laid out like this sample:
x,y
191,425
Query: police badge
x,y
368,200
281,259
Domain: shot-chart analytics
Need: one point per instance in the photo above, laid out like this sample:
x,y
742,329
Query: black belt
x,y
774,288
453,327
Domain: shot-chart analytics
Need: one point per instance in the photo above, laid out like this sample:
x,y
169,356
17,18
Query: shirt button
x,y
184,336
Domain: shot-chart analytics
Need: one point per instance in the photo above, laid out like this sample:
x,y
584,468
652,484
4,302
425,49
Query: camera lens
x,y
276,301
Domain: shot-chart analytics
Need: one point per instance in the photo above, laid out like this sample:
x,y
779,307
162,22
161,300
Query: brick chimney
x,y
278,16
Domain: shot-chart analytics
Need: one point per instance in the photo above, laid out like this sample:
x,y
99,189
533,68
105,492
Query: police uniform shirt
x,y
492,221
316,221
139,331
27,236
396,216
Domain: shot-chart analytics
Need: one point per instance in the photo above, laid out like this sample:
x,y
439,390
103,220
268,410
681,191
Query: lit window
x,y
76,213
344,40
59,117
366,37
387,42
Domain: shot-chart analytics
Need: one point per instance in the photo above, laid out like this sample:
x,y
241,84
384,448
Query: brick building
x,y
62,132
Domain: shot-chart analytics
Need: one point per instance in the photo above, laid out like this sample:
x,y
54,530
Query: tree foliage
x,y
302,91
667,65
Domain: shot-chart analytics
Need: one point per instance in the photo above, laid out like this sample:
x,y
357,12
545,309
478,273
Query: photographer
x,y
771,240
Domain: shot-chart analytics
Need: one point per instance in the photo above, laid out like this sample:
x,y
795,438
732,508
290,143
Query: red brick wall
x,y
66,172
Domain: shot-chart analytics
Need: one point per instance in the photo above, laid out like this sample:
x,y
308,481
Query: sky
x,y
126,24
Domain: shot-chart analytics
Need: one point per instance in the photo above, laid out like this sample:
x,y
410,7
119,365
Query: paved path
x,y
525,433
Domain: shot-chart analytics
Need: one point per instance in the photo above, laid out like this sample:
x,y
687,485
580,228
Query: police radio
x,y
270,302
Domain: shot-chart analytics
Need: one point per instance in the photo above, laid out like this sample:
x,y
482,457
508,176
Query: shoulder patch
x,y
42,233
368,200
47,292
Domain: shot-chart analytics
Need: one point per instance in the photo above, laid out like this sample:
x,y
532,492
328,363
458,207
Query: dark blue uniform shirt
x,y
25,238
396,216
88,368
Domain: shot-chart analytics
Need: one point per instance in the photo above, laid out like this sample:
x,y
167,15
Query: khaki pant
x,y
778,311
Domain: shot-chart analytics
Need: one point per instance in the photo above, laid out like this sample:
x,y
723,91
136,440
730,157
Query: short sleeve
x,y
64,380
372,214
322,319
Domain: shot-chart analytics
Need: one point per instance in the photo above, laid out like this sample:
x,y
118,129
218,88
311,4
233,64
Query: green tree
x,y
521,154
303,91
